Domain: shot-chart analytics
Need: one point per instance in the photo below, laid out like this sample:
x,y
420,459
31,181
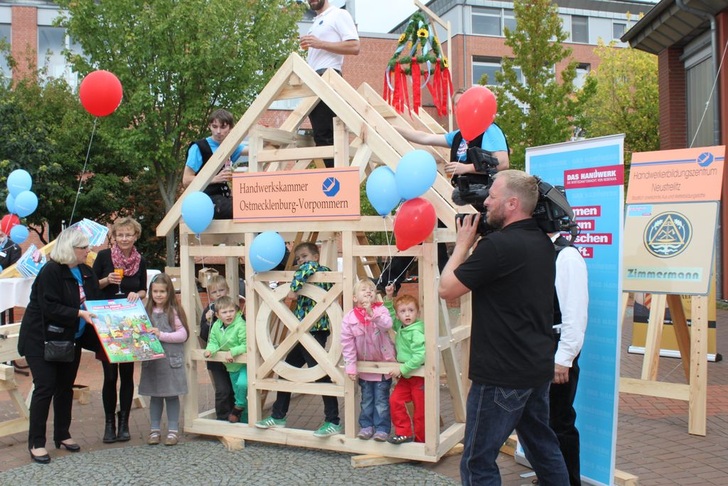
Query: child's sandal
x,y
154,437
172,439
400,439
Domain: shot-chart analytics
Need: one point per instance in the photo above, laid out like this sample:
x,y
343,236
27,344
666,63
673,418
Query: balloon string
x,y
199,240
390,259
80,179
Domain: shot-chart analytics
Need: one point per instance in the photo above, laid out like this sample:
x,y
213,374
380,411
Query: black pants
x,y
562,421
52,380
322,123
298,356
223,207
224,395
112,371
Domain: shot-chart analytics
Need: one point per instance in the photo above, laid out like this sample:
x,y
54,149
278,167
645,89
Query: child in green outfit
x,y
410,344
229,333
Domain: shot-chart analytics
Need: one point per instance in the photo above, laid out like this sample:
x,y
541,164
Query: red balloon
x,y
475,111
7,223
100,93
414,222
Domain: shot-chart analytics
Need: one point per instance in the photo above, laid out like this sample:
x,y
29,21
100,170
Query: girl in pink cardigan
x,y
365,337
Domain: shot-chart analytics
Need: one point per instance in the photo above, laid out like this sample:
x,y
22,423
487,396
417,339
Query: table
x,y
15,292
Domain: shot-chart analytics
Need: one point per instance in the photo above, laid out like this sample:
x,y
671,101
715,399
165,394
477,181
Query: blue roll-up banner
x,y
592,172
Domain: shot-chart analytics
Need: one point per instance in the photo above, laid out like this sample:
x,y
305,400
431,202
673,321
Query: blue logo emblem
x,y
331,186
668,234
705,159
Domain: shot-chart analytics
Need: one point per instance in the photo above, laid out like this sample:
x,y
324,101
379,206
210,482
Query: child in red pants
x,y
410,344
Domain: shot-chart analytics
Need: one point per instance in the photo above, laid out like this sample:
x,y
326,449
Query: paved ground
x,y
653,444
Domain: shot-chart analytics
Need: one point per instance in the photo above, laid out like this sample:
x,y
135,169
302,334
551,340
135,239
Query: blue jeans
x,y
375,405
492,415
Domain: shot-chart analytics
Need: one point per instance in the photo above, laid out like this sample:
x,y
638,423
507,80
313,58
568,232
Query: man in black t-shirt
x,y
511,274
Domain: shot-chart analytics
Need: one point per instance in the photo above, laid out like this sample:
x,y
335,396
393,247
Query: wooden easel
x,y
693,346
9,352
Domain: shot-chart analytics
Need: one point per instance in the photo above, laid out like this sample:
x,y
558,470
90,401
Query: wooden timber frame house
x,y
364,137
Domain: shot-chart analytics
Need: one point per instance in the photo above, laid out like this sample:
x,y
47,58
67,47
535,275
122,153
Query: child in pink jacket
x,y
365,337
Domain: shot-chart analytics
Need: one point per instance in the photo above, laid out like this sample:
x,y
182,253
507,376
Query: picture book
x,y
124,330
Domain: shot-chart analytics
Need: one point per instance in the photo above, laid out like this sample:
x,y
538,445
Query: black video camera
x,y
473,188
553,212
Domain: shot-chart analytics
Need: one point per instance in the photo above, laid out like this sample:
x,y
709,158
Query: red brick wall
x,y
673,106
24,40
722,21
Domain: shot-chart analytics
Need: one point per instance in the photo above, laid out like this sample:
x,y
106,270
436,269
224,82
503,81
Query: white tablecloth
x,y
15,292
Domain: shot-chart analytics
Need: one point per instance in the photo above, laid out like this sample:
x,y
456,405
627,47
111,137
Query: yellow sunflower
x,y
422,33
402,38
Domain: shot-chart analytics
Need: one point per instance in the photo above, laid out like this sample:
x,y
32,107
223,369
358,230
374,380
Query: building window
x,y
580,29
492,21
699,82
5,73
582,71
52,42
488,66
509,20
487,21
618,29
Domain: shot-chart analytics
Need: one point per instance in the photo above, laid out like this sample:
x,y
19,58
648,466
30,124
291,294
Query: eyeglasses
x,y
81,247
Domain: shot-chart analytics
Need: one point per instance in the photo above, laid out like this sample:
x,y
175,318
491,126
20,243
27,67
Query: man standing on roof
x,y
331,36
200,151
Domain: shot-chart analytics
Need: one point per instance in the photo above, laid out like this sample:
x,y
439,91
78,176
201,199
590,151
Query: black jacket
x,y
9,254
54,300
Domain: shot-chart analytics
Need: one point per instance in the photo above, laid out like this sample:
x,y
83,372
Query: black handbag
x,y
61,351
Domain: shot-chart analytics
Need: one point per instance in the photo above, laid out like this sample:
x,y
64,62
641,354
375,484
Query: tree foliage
x,y
540,108
45,131
178,60
626,99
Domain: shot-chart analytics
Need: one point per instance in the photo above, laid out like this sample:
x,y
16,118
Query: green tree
x,y
177,61
626,99
539,108
46,132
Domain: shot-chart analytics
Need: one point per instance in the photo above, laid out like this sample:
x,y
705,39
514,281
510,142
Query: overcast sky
x,y
382,15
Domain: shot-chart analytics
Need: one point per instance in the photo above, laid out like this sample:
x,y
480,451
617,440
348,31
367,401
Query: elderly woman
x,y
130,285
56,313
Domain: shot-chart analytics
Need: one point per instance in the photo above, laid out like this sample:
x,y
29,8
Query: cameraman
x,y
511,274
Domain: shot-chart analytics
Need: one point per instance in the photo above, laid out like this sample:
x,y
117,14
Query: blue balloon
x,y
266,251
382,190
18,181
10,203
197,211
19,233
416,172
25,203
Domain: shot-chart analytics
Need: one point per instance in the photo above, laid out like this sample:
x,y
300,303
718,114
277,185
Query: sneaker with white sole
x,y
328,429
271,423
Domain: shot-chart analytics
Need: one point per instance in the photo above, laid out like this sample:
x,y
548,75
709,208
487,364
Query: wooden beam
x,y
228,146
697,408
368,460
653,339
676,391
